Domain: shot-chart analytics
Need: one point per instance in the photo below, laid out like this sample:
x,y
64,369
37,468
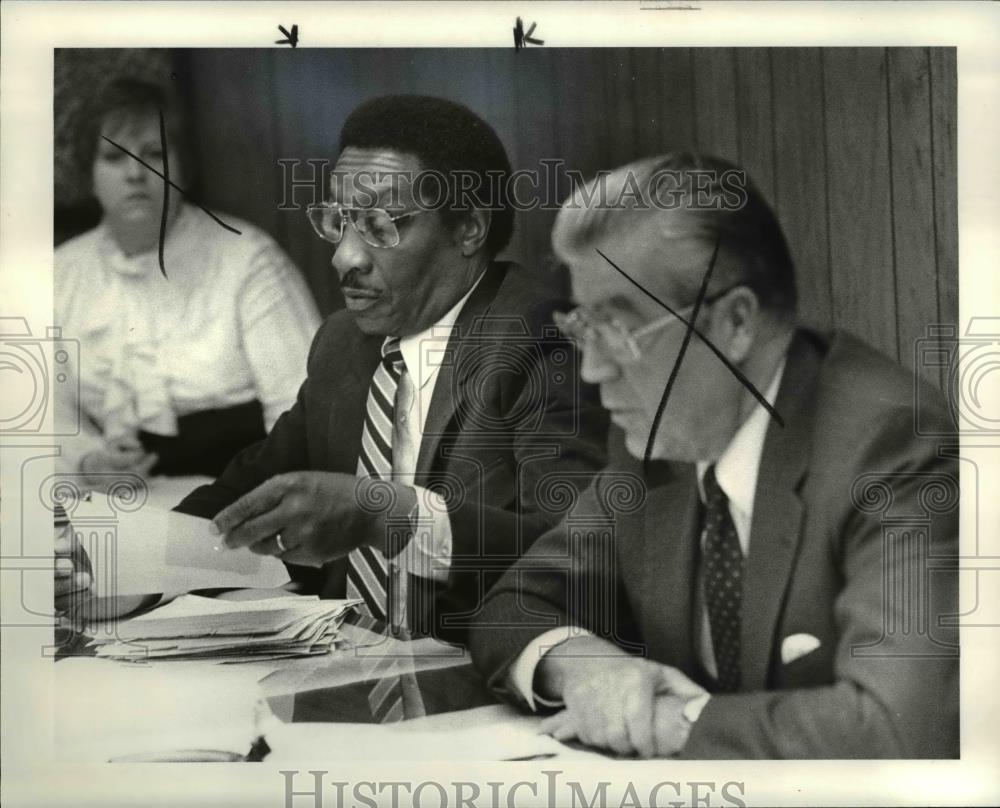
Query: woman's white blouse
x,y
231,322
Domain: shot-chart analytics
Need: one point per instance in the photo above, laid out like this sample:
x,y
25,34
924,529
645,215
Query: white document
x,y
328,742
492,733
150,550
107,710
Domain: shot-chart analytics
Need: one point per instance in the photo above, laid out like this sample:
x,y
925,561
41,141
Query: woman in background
x,y
176,373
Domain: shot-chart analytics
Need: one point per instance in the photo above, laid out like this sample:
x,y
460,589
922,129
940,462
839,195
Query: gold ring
x,y
281,544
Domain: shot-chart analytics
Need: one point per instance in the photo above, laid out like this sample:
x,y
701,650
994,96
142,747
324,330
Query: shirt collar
x,y
424,352
737,467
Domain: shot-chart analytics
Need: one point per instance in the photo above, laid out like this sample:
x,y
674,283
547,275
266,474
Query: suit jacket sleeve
x,y
552,586
893,690
504,514
284,449
895,674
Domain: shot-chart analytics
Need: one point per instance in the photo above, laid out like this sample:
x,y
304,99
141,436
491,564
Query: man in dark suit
x,y
405,474
769,571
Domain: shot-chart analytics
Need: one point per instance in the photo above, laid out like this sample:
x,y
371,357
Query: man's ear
x,y
738,322
472,231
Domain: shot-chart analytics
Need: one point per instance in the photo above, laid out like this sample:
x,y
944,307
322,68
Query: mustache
x,y
350,282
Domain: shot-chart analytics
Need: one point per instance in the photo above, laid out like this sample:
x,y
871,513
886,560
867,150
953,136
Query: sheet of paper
x,y
150,550
107,709
497,734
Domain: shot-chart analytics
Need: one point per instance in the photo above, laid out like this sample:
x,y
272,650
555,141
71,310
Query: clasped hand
x,y
629,705
320,515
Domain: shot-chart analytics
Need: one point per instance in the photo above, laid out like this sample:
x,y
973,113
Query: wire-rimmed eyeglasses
x,y
616,340
376,226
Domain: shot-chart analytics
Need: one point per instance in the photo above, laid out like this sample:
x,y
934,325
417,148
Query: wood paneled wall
x,y
854,147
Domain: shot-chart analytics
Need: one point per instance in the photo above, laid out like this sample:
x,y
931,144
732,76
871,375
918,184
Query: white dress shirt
x,y
231,322
428,553
736,471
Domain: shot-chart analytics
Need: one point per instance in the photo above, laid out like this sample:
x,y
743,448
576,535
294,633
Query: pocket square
x,y
797,645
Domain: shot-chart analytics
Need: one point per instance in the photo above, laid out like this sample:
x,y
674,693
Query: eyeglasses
x,y
616,339
376,226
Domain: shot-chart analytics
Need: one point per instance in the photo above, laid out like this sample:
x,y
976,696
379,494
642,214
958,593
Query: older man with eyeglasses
x,y
779,578
408,472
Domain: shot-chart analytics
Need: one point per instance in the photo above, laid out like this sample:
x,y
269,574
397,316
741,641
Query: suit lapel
x,y
449,384
348,405
669,538
777,513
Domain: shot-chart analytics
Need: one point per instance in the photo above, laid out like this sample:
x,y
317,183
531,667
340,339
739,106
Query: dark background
x,y
854,147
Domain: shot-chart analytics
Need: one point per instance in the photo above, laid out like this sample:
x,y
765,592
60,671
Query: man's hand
x,y
73,589
122,456
73,581
611,697
320,515
670,727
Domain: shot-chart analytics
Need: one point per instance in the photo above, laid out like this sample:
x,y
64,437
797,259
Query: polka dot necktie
x,y
723,564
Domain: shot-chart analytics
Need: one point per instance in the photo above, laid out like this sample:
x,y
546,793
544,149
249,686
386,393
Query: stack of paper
x,y
193,627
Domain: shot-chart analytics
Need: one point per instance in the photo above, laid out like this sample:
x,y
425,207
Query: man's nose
x,y
595,365
351,254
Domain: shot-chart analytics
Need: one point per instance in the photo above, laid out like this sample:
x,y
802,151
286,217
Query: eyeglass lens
x,y
582,328
373,224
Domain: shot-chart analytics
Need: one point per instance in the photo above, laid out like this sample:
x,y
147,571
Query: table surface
x,y
133,704
435,678
108,709
439,678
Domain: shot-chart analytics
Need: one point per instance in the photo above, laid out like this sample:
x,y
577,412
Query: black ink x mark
x,y
290,38
166,192
168,183
647,456
521,38
688,331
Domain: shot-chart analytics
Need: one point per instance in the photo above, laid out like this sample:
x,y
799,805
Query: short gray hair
x,y
716,199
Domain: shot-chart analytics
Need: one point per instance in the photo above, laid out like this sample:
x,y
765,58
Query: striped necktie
x,y
368,571
723,558
388,666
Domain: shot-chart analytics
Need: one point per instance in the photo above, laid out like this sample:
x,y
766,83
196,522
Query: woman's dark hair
x,y
130,99
445,137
